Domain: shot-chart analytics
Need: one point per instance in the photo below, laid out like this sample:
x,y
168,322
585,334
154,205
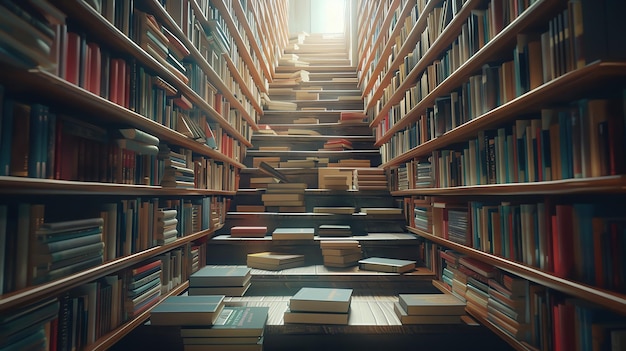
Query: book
x,y
187,310
431,304
391,265
220,276
248,231
273,258
233,321
309,299
272,172
315,317
424,319
339,244
294,233
334,209
222,290
381,210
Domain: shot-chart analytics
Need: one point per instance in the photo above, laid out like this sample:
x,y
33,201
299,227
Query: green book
x,y
321,300
188,310
233,321
391,265
220,276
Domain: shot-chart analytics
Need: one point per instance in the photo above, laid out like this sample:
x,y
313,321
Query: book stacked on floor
x,y
248,231
319,306
261,182
306,163
350,162
334,209
284,233
274,105
236,328
288,197
429,309
165,230
143,288
326,230
351,117
270,160
250,208
187,310
341,253
220,280
335,179
381,210
63,248
273,261
370,179
337,144
177,173
389,265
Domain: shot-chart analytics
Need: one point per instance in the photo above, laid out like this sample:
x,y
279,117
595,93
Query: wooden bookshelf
x,y
244,88
261,48
611,300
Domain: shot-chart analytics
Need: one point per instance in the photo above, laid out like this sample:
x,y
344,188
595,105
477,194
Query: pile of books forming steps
x,y
178,170
220,280
166,230
207,324
63,248
273,261
143,288
341,253
236,328
319,306
429,309
286,197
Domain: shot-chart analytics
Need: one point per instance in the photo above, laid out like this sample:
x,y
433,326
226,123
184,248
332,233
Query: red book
x,y
95,68
182,102
564,246
85,66
72,58
113,80
146,267
477,266
121,82
126,87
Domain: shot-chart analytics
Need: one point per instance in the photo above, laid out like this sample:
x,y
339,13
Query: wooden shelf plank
x,y
244,88
611,300
606,185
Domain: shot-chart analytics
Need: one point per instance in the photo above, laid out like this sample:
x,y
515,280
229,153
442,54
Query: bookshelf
x,y
466,209
93,212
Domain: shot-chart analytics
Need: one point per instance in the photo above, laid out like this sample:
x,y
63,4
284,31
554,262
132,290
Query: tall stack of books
x,y
319,306
273,261
236,328
326,230
187,310
389,265
176,172
284,233
370,179
63,248
453,278
220,280
429,309
166,230
143,288
477,290
507,305
28,328
341,253
287,197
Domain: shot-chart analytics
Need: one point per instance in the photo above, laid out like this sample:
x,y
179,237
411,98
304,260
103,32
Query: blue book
x,y
335,300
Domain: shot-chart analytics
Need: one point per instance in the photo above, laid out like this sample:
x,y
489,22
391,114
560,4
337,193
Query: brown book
x,y
431,304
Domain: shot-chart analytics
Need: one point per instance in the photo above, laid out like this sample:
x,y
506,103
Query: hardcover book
x,y
294,233
406,318
220,276
248,231
187,310
391,265
431,304
321,300
233,321
223,290
315,317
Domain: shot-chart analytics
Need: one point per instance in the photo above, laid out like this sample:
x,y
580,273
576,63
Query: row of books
x,y
580,140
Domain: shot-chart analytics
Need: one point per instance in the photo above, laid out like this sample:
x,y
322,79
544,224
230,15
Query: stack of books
x,y
261,182
248,231
334,209
351,162
477,287
269,104
143,288
389,265
187,310
284,233
291,78
344,253
306,163
138,141
370,179
63,248
381,210
429,309
236,328
273,261
507,305
166,230
176,173
351,117
335,179
337,144
325,230
319,306
220,280
287,197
